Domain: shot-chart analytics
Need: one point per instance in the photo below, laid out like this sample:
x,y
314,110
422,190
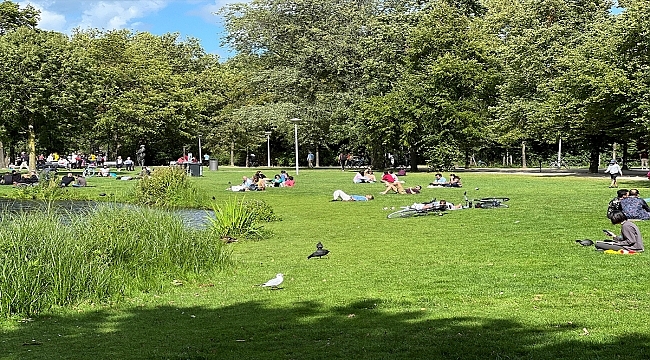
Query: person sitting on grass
x,y
615,203
67,180
290,182
439,181
339,194
360,178
455,182
277,181
105,171
630,238
634,207
81,182
367,173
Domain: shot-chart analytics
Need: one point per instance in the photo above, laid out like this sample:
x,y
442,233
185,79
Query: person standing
x,y
139,155
614,170
206,159
342,159
310,160
644,159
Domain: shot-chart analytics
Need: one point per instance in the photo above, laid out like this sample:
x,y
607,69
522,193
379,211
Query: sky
x,y
190,18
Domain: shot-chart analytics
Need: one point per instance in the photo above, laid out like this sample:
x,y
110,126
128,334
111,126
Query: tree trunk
x,y
625,164
523,155
467,159
413,159
594,155
232,153
2,156
31,146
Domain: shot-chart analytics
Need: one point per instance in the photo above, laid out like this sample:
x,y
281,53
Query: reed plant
x,y
98,256
238,218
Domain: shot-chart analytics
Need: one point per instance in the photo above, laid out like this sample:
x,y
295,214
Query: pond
x,y
192,218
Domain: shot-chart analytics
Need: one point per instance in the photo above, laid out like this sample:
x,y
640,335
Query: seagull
x,y
319,245
275,282
318,253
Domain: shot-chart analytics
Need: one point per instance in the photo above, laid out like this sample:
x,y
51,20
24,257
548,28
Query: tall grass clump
x,y
99,256
168,187
241,218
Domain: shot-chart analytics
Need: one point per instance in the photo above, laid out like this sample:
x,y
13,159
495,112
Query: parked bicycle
x,y
89,171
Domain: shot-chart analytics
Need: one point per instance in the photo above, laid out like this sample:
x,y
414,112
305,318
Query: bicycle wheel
x,y
404,213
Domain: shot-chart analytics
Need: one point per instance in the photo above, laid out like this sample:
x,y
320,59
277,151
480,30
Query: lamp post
x,y
200,157
268,147
295,122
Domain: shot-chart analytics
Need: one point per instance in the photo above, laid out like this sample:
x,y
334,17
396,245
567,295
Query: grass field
x,y
473,284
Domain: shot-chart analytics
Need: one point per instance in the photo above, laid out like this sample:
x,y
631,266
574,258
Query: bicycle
x,y
558,165
489,203
410,211
89,171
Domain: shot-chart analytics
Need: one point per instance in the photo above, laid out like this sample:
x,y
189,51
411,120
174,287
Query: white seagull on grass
x,y
275,282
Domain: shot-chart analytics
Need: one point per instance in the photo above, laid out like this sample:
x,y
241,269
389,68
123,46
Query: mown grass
x,y
473,284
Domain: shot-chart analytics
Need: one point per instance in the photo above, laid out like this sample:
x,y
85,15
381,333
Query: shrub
x,y
48,188
166,187
262,211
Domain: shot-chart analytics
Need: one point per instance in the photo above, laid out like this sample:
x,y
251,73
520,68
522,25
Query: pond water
x,y
192,218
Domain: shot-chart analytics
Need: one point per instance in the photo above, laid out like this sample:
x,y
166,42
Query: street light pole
x,y
200,157
268,147
295,122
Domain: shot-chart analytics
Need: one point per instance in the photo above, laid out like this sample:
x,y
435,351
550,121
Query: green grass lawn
x,y
473,284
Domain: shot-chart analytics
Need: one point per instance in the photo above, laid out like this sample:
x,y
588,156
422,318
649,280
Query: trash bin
x,y
214,164
195,169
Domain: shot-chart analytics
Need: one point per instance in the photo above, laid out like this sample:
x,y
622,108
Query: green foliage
x,y
98,256
235,218
46,189
442,157
263,212
167,186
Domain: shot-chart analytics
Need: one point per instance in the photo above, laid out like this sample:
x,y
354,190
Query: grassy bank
x,y
473,284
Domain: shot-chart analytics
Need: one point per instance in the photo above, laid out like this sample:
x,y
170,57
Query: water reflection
x,y
192,218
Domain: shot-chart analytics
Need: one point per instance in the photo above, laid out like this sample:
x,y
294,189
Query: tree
x,y
44,95
12,17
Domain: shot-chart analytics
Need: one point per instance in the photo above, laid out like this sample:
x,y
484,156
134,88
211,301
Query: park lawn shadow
x,y
306,330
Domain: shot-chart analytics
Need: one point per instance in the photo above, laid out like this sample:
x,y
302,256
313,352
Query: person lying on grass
x,y
630,238
399,189
436,205
339,194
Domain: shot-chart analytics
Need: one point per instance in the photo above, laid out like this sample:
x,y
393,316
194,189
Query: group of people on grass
x,y
441,181
393,184
259,182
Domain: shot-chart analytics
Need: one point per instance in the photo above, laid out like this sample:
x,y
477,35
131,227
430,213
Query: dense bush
x,y
98,256
262,211
168,186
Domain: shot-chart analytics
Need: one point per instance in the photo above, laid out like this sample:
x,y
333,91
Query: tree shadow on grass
x,y
306,330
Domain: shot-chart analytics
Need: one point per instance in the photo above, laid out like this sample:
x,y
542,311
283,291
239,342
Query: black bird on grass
x,y
320,252
585,242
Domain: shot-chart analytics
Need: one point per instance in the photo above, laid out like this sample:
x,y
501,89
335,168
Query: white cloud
x,y
117,14
65,15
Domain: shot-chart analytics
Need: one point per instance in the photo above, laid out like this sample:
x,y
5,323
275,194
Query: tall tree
x,y
13,17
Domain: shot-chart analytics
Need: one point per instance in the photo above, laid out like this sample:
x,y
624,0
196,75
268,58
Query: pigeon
x,y
319,245
319,253
275,282
585,242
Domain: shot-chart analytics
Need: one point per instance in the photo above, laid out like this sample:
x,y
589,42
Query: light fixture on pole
x,y
295,122
200,157
268,147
